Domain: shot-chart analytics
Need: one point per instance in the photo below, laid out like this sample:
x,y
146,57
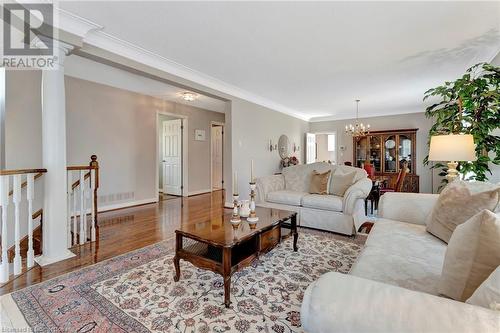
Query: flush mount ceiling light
x,y
188,96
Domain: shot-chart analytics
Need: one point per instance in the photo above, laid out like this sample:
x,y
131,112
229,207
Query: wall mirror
x,y
284,146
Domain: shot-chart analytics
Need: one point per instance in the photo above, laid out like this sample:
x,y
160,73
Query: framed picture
x,y
199,135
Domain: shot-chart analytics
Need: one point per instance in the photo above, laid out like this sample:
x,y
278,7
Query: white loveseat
x,y
327,212
393,285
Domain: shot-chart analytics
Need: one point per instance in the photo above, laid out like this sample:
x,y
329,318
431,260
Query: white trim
x,y
92,34
185,143
127,204
44,260
228,205
200,192
160,190
217,123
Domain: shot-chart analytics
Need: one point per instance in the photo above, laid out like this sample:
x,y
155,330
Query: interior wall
x,y
117,125
124,137
252,128
402,121
322,148
23,120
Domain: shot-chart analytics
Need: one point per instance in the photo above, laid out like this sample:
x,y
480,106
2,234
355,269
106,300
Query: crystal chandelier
x,y
358,129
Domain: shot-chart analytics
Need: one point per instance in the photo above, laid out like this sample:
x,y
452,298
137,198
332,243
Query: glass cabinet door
x,y
404,151
390,158
361,151
376,152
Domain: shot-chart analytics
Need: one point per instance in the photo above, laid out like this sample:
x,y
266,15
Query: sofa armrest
x,y
345,303
358,190
406,207
267,184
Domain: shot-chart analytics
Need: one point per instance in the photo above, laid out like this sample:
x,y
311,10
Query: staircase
x,y
22,226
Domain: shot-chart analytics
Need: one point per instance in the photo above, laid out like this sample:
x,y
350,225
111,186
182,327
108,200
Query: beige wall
x,y
118,126
252,128
413,120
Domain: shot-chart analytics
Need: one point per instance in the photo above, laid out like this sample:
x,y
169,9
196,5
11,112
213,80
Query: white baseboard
x,y
199,192
102,209
44,260
228,205
160,190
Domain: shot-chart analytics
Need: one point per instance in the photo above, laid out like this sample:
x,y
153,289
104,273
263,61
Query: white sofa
x,y
289,191
393,285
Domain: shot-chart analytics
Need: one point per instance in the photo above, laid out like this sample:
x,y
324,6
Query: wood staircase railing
x,y
16,193
78,228
31,244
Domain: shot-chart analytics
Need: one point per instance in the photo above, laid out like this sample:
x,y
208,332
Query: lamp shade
x,y
452,147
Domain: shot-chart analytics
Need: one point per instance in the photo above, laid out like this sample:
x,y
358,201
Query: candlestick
x,y
252,218
235,219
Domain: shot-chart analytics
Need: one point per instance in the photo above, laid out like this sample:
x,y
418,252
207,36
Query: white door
x,y
172,157
310,148
217,143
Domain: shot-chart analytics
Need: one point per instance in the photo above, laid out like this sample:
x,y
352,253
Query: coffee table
x,y
223,248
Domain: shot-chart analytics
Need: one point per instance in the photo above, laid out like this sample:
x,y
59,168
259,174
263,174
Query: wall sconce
x,y
270,146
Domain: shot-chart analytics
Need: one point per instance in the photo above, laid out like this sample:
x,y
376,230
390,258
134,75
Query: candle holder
x,y
235,219
252,218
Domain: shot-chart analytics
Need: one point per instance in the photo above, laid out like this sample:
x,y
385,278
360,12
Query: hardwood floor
x,y
126,230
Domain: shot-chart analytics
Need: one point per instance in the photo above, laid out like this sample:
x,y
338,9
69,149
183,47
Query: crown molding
x,y
74,24
92,34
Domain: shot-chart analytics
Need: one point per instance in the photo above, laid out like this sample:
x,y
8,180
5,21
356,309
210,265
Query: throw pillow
x,y
471,256
455,205
319,182
488,293
340,182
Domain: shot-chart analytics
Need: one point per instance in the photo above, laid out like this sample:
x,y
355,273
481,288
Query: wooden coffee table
x,y
223,248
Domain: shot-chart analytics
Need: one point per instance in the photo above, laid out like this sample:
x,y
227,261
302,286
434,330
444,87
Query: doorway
x,y
321,147
172,148
217,156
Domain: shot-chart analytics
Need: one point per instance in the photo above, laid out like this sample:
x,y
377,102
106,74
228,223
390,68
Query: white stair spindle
x,y
30,193
73,211
83,219
92,204
68,202
16,198
4,202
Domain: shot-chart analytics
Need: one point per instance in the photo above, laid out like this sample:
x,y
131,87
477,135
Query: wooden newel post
x,y
95,165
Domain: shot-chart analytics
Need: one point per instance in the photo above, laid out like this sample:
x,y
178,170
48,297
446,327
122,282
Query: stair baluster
x,y
17,224
30,193
4,201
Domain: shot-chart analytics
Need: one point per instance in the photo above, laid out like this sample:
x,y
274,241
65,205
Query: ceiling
x,y
313,59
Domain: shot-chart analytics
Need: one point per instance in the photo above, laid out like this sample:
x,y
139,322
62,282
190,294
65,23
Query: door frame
x,y
184,147
336,143
212,124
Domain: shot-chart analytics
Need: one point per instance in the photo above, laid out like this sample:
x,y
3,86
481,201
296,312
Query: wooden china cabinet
x,y
387,151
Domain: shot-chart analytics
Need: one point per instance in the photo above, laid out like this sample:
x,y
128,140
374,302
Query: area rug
x,y
135,292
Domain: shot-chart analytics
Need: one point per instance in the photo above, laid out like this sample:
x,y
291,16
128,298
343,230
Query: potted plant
x,y
469,105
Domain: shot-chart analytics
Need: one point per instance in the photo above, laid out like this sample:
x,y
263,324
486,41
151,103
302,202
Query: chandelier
x,y
358,129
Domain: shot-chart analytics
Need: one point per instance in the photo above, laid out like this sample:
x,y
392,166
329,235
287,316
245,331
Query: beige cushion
x,y
298,177
319,182
488,293
456,204
472,255
324,202
340,182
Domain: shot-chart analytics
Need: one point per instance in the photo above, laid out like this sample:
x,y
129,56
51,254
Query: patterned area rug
x,y
135,292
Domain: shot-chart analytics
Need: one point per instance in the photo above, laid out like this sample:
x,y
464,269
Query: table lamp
x,y
452,148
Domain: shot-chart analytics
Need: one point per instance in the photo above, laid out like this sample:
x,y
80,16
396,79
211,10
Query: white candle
x,y
235,183
251,172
